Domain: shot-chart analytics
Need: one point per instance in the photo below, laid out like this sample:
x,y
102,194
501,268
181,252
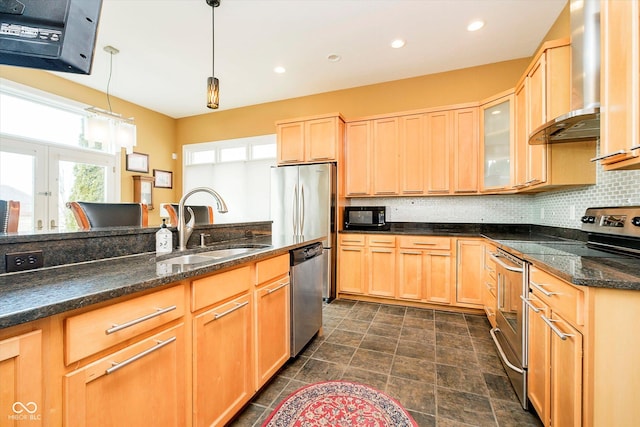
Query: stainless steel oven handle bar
x,y
496,257
502,355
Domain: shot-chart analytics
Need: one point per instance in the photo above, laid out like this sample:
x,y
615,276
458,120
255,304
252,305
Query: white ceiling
x,y
165,45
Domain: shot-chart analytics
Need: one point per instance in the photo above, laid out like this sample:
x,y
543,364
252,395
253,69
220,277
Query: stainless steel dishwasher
x,y
307,269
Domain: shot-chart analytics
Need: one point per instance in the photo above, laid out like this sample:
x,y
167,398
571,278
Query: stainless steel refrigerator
x,y
303,204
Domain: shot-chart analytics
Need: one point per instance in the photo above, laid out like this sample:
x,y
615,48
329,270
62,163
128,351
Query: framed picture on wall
x,y
163,179
138,162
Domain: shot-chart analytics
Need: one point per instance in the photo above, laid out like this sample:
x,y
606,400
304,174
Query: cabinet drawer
x,y
91,332
352,240
425,242
563,298
218,287
272,268
382,241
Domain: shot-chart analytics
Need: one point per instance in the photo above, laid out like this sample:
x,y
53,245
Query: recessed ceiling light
x,y
397,43
334,57
279,70
475,25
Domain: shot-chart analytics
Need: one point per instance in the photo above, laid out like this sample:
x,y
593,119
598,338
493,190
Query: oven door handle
x,y
501,351
496,257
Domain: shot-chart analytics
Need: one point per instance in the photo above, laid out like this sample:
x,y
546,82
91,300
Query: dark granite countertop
x,y
40,293
574,262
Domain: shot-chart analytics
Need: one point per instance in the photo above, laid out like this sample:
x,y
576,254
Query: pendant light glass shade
x,y
213,93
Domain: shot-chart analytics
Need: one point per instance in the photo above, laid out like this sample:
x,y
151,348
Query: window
x,y
45,160
239,169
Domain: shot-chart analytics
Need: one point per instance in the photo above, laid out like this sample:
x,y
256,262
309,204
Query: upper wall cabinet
x,y
497,144
542,94
620,82
310,139
413,154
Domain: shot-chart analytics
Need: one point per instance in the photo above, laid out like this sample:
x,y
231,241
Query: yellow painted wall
x,y
156,132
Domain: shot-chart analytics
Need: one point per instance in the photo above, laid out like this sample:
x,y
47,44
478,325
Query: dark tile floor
x,y
441,366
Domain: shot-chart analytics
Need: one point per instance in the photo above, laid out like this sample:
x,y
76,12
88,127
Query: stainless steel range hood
x,y
582,123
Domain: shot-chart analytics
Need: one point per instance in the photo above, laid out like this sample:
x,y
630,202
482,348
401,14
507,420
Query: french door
x,y
44,177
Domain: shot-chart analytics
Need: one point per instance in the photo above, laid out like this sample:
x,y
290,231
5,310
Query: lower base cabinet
x,y
21,378
555,385
272,328
470,272
142,384
222,363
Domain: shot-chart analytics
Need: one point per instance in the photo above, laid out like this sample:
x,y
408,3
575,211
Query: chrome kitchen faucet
x,y
185,230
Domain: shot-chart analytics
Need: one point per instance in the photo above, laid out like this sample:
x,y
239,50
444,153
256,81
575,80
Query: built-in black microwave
x,y
365,218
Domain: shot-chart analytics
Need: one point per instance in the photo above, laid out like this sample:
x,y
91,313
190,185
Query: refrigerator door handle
x,y
301,209
295,210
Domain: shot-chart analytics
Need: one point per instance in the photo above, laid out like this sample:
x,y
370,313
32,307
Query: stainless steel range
x,y
613,236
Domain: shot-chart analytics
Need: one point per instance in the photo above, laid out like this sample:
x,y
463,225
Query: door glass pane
x,y
78,181
497,144
17,183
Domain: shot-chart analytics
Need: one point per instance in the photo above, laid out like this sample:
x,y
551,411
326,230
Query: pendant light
x,y
213,85
107,127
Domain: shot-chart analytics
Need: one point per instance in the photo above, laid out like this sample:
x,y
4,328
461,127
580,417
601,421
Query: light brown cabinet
x,y
366,265
310,140
620,82
358,158
21,399
466,150
497,164
381,255
544,92
385,156
412,154
272,319
222,360
438,165
556,309
352,273
470,271
425,269
142,384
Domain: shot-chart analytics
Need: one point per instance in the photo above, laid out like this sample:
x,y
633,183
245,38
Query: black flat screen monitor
x,y
56,35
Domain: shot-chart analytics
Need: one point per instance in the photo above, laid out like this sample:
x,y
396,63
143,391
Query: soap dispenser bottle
x,y
164,239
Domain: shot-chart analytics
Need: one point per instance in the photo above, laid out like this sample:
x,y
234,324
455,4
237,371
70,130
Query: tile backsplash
x,y
555,208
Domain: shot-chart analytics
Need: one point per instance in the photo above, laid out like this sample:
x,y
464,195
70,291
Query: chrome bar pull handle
x,y
160,312
554,328
119,365
541,289
270,291
238,306
527,301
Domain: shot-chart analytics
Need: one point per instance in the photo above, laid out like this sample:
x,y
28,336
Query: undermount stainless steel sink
x,y
213,255
188,259
225,253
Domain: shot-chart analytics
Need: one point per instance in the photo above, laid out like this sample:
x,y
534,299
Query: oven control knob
x,y
588,219
636,221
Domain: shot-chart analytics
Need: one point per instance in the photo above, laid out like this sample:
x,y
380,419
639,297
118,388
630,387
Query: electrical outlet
x,y
541,213
572,212
20,261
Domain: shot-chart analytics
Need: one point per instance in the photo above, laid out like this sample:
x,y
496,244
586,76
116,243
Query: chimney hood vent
x,y
583,122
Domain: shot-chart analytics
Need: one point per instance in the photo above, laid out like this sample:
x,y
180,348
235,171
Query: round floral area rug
x,y
339,404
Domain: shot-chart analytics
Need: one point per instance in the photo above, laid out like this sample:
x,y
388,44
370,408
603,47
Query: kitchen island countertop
x,y
36,294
